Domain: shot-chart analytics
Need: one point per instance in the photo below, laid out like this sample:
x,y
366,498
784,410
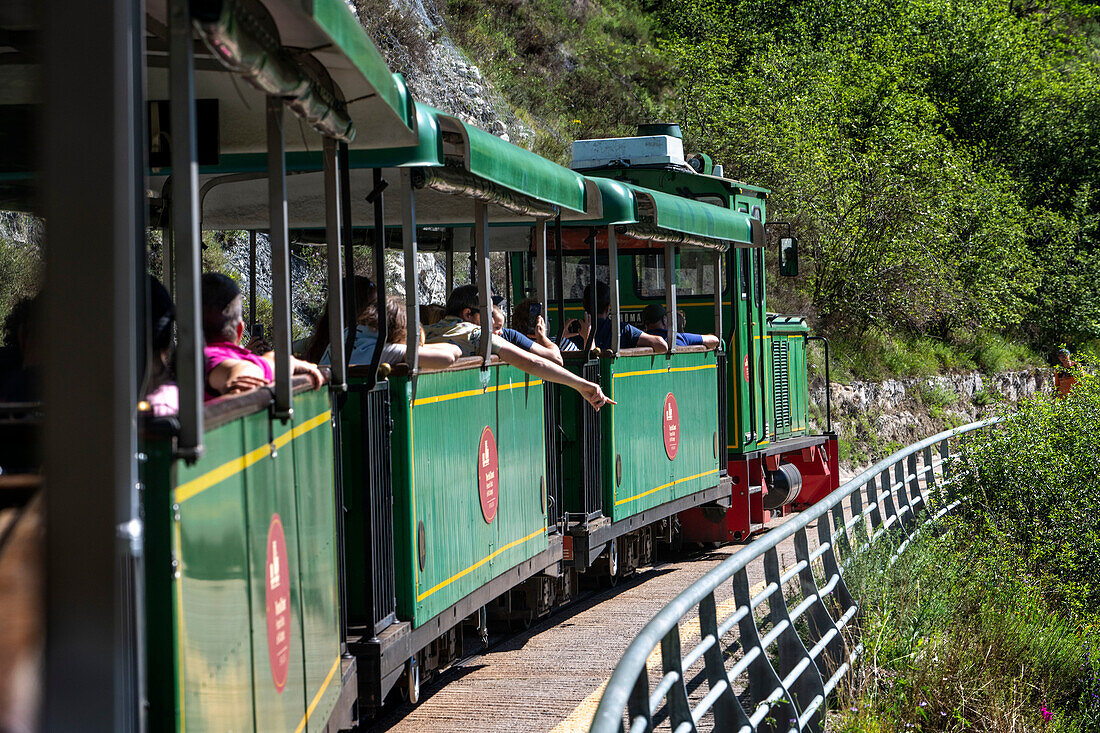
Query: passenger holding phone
x,y
530,328
629,336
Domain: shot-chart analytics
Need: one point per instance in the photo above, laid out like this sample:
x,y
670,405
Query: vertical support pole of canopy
x,y
185,232
613,282
376,198
412,275
280,256
335,279
540,267
351,308
92,194
450,262
484,286
559,287
251,279
670,296
167,254
717,276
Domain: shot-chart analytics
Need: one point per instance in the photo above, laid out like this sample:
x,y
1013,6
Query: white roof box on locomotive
x,y
628,151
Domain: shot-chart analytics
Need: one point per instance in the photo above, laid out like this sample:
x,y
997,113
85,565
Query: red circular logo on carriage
x,y
672,427
277,594
488,477
746,367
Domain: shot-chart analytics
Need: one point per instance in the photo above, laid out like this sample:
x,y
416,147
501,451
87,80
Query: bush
x,y
958,635
1036,477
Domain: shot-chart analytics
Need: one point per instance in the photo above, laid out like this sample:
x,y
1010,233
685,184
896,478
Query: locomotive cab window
x,y
576,274
694,275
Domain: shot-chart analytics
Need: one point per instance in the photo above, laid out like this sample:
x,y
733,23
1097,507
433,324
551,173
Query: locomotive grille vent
x,y
781,375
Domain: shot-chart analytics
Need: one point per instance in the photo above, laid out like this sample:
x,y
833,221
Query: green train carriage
x,y
240,594
766,382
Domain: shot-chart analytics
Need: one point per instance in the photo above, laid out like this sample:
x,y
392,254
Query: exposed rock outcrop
x,y
873,417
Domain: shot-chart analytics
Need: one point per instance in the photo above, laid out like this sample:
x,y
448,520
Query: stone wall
x,y
875,417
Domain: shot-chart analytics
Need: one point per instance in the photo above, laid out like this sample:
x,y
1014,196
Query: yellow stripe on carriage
x,y
666,370
317,697
479,563
665,486
474,392
215,476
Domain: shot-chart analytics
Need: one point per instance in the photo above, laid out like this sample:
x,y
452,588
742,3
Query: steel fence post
x,y
807,684
679,710
763,679
728,714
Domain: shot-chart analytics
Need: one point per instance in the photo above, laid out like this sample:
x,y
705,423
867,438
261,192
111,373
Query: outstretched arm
x,y
710,340
551,372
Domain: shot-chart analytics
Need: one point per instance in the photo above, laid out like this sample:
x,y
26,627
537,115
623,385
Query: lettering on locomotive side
x,y
487,468
277,606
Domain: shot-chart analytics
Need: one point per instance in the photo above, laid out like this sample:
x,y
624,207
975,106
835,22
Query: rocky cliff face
x,y
413,36
874,418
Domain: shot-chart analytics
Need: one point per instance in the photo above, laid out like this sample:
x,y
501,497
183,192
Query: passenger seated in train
x,y
629,336
655,321
365,296
230,367
19,356
462,328
431,313
430,356
162,396
536,342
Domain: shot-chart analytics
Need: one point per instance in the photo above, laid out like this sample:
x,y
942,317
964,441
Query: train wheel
x,y
412,680
613,562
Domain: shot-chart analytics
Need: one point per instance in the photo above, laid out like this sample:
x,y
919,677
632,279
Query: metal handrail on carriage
x,y
788,672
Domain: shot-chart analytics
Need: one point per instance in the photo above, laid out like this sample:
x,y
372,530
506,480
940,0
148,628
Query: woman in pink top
x,y
231,368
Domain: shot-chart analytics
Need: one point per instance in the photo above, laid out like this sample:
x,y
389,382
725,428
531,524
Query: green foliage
x,y
958,635
1036,477
878,354
938,158
20,271
577,69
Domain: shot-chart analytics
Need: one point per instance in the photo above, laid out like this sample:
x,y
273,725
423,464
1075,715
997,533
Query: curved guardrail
x,y
775,674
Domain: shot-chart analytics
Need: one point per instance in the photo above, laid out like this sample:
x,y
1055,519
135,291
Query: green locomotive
x,y
292,556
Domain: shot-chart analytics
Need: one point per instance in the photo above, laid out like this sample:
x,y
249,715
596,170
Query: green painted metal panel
x,y
616,201
633,430
435,454
428,150
522,171
318,572
213,608
256,469
335,18
156,476
355,572
270,492
698,219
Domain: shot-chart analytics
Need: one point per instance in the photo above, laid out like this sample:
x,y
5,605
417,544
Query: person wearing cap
x,y
462,327
230,367
1064,378
540,345
655,320
629,336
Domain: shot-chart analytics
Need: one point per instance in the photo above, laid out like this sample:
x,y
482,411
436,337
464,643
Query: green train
x,y
295,556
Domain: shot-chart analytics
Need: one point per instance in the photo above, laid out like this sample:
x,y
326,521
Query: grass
x,y
876,355
958,636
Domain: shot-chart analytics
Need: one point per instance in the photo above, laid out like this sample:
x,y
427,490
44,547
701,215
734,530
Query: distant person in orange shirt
x,y
1063,374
